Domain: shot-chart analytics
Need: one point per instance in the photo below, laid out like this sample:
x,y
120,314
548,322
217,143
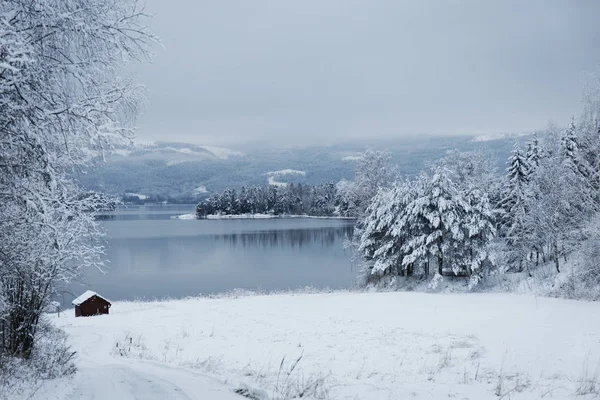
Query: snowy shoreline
x,y
257,216
358,344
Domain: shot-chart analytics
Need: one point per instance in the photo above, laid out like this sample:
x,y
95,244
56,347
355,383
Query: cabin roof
x,y
86,296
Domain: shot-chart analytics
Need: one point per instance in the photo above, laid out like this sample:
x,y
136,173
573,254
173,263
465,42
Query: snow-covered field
x,y
273,175
346,345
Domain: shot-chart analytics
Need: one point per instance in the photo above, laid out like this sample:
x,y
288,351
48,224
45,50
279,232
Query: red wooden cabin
x,y
90,303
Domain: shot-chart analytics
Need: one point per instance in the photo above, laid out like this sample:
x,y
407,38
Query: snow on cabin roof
x,y
85,296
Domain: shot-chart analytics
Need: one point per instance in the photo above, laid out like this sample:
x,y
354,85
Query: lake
x,y
150,255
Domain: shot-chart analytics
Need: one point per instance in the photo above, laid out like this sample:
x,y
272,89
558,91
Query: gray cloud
x,y
316,71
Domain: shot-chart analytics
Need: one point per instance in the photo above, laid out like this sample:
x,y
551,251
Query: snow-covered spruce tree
x,y
572,155
480,229
438,210
534,152
62,102
385,232
414,224
514,208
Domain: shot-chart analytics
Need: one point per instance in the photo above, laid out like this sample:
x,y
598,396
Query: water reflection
x,y
153,256
294,238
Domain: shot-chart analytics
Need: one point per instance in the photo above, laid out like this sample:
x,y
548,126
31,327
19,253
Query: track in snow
x,y
104,377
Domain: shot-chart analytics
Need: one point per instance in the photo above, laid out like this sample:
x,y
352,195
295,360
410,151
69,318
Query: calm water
x,y
153,256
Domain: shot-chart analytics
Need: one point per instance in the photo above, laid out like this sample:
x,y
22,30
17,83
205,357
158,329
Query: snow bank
x,y
370,345
185,216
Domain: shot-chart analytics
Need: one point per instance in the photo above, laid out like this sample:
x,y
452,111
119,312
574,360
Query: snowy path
x,y
104,377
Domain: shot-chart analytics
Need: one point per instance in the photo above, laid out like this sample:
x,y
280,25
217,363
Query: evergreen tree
x,y
480,231
437,213
513,203
534,153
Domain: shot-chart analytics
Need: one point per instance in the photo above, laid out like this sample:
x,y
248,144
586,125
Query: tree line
x,y
343,199
291,199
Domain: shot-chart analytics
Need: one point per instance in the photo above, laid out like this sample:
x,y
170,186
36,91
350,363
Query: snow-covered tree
x,y
385,231
515,195
472,170
438,211
561,201
534,153
410,226
571,152
480,232
63,101
347,198
373,171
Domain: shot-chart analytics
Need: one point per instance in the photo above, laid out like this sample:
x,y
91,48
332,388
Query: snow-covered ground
x,y
273,175
104,375
222,152
342,345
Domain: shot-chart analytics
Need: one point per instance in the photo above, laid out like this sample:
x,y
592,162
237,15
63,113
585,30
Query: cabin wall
x,y
93,306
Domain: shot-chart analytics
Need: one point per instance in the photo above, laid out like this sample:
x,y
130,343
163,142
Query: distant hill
x,y
183,172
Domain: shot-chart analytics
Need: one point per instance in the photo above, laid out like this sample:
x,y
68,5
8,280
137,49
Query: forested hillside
x,y
174,171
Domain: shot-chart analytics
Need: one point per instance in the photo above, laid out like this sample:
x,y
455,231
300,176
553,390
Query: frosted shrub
x,y
435,282
52,357
582,279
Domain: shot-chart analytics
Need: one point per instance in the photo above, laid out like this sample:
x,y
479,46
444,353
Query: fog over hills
x,y
183,172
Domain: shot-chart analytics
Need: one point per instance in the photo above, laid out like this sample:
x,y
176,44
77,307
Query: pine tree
x,y
573,157
534,153
513,203
244,202
480,231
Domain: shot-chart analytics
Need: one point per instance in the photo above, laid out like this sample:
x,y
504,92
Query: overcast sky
x,y
323,71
